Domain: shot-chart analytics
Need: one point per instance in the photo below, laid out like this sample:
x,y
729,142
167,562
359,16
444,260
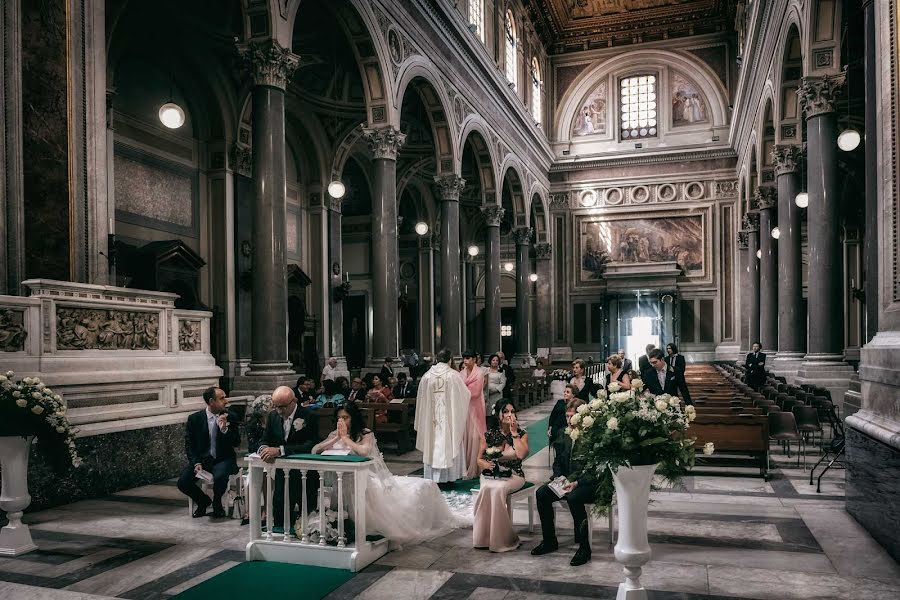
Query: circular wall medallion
x,y
459,110
666,192
588,198
614,196
407,270
395,46
694,190
640,194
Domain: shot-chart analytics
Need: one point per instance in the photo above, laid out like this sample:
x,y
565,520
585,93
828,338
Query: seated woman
x,y
330,396
615,373
503,449
379,391
405,510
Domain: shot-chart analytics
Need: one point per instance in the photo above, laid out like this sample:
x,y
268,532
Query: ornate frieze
x,y
12,330
189,336
450,186
765,198
750,222
726,189
384,142
819,94
543,251
523,235
269,63
97,329
787,158
493,214
559,201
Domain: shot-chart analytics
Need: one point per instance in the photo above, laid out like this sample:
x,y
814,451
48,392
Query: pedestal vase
x,y
15,538
632,548
557,389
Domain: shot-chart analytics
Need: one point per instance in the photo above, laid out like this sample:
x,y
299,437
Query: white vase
x,y
557,389
632,548
15,538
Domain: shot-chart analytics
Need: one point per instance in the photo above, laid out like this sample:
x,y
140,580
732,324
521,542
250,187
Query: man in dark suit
x,y
403,389
756,367
626,362
303,390
210,439
644,361
660,379
677,363
291,429
387,371
357,390
579,492
510,374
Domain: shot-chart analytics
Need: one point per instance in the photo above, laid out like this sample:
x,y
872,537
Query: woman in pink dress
x,y
474,377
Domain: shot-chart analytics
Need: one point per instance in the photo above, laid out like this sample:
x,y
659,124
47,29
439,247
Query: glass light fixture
x,y
802,200
533,277
171,115
473,250
848,140
421,228
508,267
776,233
336,189
759,254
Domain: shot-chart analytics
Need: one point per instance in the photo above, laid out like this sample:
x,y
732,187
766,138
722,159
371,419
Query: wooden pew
x,y
399,425
742,434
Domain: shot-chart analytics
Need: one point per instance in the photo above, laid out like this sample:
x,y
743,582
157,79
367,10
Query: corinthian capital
x,y
742,240
523,235
384,142
765,198
818,94
543,251
788,158
450,186
750,223
269,63
493,214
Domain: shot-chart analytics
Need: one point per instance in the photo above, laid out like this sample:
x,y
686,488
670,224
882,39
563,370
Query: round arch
x,y
420,75
539,212
474,133
513,181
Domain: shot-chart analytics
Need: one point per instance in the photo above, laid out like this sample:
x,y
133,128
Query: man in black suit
x,y
660,379
357,390
644,361
627,365
677,363
756,367
291,429
303,390
387,371
403,389
210,439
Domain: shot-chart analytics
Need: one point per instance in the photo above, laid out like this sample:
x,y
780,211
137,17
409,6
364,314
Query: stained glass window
x,y
511,50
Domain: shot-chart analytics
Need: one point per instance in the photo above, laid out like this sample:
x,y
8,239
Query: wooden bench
x,y
742,434
399,425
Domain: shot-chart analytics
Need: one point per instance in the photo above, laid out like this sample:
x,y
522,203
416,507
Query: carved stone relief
x,y
189,336
12,330
93,329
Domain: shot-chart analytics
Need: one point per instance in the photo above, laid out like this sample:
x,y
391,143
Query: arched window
x,y
476,17
536,90
638,107
511,50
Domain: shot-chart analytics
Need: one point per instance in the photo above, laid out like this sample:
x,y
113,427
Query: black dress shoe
x,y
201,509
218,512
582,555
544,548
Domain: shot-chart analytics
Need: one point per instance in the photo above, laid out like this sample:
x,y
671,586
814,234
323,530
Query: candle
x,y
112,225
347,276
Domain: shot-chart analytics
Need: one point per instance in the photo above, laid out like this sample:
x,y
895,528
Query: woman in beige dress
x,y
502,451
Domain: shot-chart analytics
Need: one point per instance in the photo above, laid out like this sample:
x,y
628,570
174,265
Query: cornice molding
x,y
654,159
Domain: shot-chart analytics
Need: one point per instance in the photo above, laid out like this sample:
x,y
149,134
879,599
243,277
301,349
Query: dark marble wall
x,y
873,488
45,139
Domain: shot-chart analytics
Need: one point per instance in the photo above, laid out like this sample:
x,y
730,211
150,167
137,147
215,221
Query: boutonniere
x,y
671,369
299,424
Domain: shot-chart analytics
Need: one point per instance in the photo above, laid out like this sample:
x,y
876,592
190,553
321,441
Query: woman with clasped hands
x,y
503,449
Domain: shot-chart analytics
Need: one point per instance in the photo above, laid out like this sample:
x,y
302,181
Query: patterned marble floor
x,y
724,534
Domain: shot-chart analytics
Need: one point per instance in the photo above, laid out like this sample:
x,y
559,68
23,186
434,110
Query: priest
x,y
441,406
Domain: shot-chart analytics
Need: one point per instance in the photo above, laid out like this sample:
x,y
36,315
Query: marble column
x,y
12,208
824,364
426,294
523,237
543,253
791,316
385,143
335,279
271,67
766,204
870,135
743,283
469,271
449,188
493,216
751,227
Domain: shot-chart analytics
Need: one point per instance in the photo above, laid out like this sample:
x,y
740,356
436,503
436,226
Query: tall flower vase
x,y
15,538
557,389
632,548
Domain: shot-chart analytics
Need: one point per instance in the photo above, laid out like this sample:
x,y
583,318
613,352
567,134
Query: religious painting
x,y
688,106
582,9
637,241
591,117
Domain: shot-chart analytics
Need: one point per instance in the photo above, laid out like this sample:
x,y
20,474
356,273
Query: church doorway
x,y
641,334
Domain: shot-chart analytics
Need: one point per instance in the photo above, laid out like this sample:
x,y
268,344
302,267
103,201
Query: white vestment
x,y
442,404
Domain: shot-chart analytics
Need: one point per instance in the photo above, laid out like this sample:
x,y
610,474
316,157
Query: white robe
x,y
442,404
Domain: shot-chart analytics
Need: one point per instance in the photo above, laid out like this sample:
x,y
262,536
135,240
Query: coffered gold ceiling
x,y
571,25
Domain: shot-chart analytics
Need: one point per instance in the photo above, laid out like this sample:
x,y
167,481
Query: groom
x,y
441,405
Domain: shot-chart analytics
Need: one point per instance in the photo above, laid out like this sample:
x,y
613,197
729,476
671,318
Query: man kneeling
x,y
576,494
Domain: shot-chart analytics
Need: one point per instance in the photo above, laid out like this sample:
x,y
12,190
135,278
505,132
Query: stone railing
x,y
121,358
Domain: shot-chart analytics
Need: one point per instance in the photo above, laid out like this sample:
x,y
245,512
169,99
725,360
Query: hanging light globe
x,y
508,267
421,227
336,189
802,200
171,115
759,254
473,250
849,139
776,233
533,277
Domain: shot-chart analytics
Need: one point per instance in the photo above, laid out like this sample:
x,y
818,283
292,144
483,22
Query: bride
x,y
405,510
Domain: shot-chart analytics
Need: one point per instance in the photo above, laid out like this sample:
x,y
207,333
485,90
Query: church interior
x,y
231,196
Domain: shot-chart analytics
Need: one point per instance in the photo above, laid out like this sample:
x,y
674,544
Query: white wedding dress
x,y
405,510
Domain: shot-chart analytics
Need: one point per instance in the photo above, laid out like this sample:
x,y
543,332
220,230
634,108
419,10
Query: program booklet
x,y
204,475
336,452
557,486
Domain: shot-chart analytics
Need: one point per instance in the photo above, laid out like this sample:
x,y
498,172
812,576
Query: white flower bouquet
x,y
29,407
560,375
630,428
314,530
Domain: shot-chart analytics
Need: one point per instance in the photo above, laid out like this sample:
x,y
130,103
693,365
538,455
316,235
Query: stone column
x,y
384,143
523,237
12,208
426,294
449,187
469,270
543,254
743,282
271,67
766,204
335,278
493,214
824,364
791,316
751,227
870,135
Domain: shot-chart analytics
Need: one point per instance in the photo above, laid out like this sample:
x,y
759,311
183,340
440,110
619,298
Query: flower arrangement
x,y
315,533
255,419
629,428
29,407
560,375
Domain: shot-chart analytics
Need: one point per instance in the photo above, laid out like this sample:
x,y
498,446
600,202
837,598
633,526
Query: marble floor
x,y
725,533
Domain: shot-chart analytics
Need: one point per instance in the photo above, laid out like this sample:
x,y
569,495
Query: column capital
x,y
493,214
543,251
750,222
523,235
742,240
765,198
788,158
334,204
269,63
384,142
450,186
819,94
